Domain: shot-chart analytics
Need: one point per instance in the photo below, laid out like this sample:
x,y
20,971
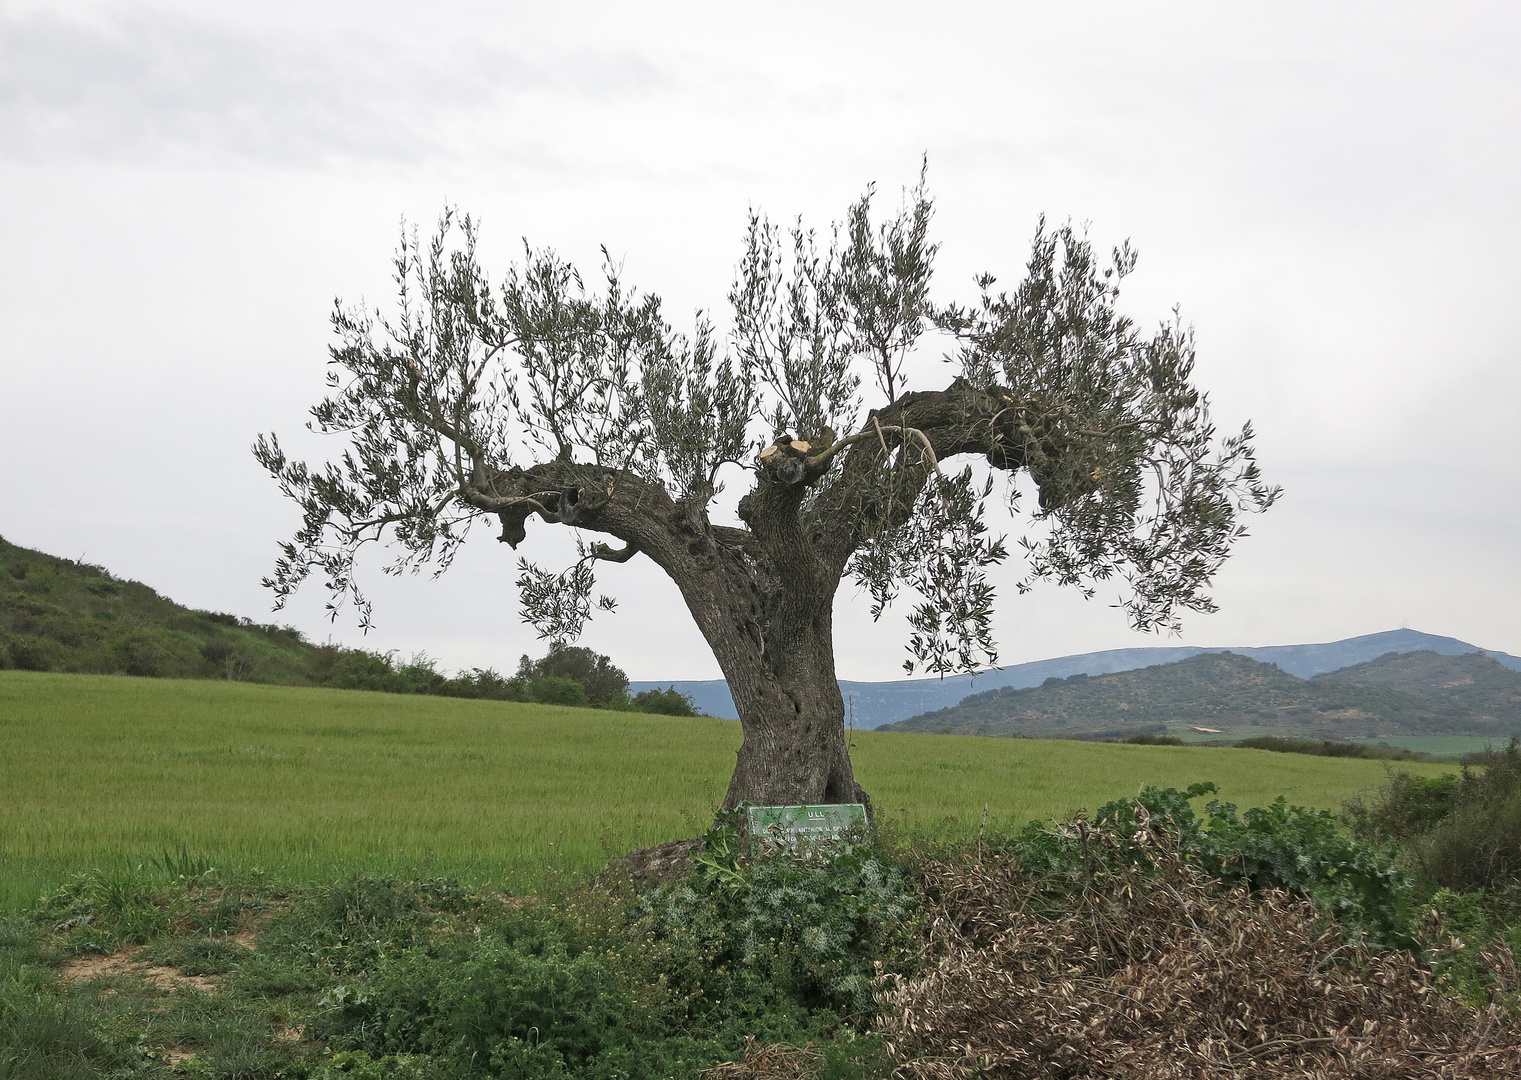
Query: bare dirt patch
x,y
123,963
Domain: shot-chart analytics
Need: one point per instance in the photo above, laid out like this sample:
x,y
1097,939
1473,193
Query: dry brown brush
x,y
1153,971
770,1061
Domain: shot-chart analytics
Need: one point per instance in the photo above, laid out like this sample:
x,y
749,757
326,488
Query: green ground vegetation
x,y
1333,748
68,615
241,882
1459,837
176,968
104,772
180,969
1442,746
1278,744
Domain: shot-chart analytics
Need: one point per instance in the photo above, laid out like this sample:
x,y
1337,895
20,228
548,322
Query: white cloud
x,y
156,86
1328,189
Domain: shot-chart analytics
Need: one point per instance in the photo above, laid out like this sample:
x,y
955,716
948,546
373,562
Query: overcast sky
x,y
1331,192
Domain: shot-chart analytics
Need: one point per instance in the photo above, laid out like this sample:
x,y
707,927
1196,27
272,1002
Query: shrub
x,y
1144,739
1302,850
739,932
155,653
1331,748
347,926
1476,846
357,1065
229,658
32,653
1277,846
420,981
556,690
482,683
543,682
604,682
355,669
533,1011
1481,936
1404,808
320,662
667,702
1460,832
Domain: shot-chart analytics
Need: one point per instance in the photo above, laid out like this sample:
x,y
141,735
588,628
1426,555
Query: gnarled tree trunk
x,y
795,751
763,596
768,617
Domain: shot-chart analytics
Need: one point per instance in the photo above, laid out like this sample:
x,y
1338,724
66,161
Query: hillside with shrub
x,y
64,615
1419,693
70,616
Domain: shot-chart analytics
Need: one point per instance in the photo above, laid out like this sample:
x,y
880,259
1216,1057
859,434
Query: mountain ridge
x,y
62,614
876,704
1423,693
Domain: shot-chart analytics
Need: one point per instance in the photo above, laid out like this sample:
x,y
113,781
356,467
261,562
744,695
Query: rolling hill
x,y
66,615
876,704
1228,695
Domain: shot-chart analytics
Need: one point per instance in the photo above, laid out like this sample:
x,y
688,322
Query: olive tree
x,y
548,399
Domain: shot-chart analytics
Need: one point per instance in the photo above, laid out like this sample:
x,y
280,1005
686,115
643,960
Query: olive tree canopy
x,y
548,398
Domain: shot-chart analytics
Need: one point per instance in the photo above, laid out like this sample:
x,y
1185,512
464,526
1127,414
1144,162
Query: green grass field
x,y
1441,745
103,771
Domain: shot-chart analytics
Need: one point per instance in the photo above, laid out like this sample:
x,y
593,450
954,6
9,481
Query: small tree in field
x,y
542,399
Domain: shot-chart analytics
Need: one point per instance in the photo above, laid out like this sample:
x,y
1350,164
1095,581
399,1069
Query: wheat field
x,y
298,783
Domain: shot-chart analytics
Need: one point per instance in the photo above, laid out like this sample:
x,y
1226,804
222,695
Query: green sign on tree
x,y
804,827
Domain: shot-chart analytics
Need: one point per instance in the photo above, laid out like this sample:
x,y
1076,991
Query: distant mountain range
x,y
62,615
1233,696
876,704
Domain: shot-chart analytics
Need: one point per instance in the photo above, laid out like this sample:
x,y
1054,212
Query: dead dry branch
x,y
770,1061
1159,973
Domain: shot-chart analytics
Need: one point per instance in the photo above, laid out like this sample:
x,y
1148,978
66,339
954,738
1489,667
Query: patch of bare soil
x,y
123,963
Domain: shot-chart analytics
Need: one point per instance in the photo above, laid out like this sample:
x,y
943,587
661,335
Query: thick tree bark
x,y
793,717
795,751
772,633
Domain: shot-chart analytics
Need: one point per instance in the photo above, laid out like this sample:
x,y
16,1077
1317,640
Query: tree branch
x,y
614,555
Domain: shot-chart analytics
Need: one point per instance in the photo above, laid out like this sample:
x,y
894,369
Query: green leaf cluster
x,y
1277,846
422,979
807,929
